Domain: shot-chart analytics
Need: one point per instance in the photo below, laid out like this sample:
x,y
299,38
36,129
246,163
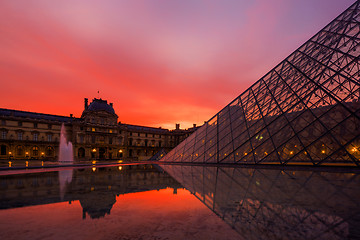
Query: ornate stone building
x,y
97,134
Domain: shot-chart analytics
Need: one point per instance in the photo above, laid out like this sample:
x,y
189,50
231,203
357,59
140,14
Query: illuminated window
x,y
35,151
49,151
93,129
110,131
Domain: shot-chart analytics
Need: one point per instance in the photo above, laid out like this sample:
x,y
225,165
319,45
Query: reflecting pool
x,y
179,202
119,202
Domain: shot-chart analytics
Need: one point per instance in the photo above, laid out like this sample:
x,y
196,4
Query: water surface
x,y
180,202
121,202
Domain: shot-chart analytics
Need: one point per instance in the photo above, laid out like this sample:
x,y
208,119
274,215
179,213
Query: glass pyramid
x,y
304,111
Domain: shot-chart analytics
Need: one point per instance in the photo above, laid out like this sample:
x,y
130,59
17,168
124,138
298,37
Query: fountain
x,y
65,148
65,156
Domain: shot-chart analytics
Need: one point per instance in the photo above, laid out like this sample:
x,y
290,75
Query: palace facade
x,y
97,134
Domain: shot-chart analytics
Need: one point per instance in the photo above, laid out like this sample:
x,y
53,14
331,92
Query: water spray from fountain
x,y
65,148
65,156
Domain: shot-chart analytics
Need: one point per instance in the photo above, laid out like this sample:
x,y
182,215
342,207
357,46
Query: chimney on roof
x,y
111,104
71,115
86,103
194,125
177,125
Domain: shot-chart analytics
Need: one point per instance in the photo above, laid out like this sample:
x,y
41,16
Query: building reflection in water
x,y
277,204
96,190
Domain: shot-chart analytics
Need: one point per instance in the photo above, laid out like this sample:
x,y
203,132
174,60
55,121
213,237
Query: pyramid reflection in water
x,y
305,110
276,204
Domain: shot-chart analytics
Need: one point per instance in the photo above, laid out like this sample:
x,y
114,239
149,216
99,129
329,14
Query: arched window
x,y
35,151
19,151
3,150
81,153
49,151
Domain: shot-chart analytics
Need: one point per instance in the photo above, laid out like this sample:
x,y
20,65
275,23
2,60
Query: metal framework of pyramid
x,y
306,110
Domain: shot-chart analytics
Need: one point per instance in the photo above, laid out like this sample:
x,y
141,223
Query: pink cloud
x,y
160,62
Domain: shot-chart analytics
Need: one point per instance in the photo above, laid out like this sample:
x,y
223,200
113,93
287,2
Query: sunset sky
x,y
160,62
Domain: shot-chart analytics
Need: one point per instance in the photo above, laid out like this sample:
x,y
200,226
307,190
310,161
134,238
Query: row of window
x,y
138,153
93,139
102,121
146,143
20,124
102,130
20,151
93,129
146,135
20,136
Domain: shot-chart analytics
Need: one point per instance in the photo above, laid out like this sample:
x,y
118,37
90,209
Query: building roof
x,y
145,129
33,115
101,105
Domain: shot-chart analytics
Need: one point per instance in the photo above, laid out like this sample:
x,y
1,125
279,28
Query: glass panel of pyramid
x,y
306,110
